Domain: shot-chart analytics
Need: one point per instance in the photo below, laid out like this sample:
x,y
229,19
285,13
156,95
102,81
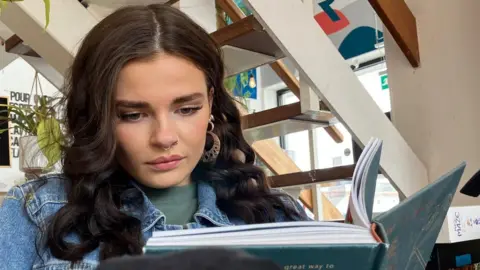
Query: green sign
x,y
384,81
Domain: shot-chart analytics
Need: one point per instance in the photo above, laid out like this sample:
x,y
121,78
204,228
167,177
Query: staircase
x,y
328,89
247,45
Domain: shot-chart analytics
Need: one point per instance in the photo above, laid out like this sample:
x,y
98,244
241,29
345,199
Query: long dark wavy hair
x,y
97,181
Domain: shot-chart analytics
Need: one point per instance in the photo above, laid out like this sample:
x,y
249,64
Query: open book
x,y
401,238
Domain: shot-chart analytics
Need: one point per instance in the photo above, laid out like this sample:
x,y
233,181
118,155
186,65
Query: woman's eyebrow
x,y
132,104
187,98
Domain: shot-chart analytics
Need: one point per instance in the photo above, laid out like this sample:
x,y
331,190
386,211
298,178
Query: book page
x,y
369,182
264,227
357,209
291,233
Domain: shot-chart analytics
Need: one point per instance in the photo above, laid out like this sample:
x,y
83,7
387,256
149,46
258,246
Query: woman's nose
x,y
164,134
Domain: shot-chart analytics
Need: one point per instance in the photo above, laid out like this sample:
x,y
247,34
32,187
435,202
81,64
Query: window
x,y
295,144
329,153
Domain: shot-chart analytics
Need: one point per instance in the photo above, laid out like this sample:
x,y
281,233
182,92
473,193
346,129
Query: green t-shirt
x,y
178,204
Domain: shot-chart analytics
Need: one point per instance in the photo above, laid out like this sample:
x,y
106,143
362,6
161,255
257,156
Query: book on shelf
x,y
401,238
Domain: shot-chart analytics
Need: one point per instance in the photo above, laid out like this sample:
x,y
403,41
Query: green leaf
x,y
230,83
26,121
244,79
47,13
5,129
3,3
49,138
20,124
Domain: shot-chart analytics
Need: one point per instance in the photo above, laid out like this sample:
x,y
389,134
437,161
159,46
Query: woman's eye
x,y
188,111
131,117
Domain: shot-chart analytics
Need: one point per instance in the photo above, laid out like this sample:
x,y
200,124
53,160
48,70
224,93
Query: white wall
x,y
435,107
16,81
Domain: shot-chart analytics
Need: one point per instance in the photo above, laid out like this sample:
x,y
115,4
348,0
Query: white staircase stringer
x,y
47,71
295,31
6,58
69,23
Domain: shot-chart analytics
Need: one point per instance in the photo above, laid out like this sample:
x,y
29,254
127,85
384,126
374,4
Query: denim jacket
x,y
24,218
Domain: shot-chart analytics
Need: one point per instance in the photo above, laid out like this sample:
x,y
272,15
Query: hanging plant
x,y
40,128
3,4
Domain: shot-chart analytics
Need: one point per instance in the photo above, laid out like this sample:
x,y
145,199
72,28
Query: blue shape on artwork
x,y
325,5
246,84
361,40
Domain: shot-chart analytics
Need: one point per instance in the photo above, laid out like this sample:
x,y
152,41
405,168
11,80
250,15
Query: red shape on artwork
x,y
329,26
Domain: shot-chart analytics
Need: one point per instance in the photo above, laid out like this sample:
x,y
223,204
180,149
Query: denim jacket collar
x,y
150,215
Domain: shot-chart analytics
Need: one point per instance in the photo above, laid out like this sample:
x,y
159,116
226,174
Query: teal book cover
x,y
401,238
412,227
320,257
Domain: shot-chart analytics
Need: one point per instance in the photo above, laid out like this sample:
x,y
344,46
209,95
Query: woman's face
x,y
163,108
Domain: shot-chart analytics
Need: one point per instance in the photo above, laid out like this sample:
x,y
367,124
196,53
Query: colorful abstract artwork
x,y
351,25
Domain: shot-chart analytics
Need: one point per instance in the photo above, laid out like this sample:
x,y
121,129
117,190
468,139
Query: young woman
x,y
155,143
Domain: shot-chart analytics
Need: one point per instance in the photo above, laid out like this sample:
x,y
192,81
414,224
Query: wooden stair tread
x,y
14,44
248,34
241,37
282,120
312,177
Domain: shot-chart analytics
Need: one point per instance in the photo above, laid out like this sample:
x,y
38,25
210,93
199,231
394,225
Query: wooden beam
x,y
335,133
313,177
400,22
287,77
